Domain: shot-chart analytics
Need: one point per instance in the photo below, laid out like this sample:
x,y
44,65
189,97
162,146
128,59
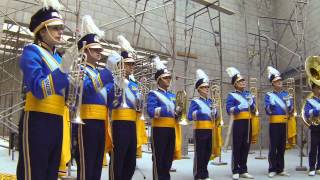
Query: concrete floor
x,y
258,168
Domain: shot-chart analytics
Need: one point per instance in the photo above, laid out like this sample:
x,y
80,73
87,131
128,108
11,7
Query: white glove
x,y
250,101
68,58
288,102
114,58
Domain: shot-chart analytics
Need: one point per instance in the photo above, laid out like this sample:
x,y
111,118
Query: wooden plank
x,y
214,6
183,54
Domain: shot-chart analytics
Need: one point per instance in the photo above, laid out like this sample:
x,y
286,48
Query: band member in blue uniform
x,y
123,119
278,106
240,105
203,114
45,78
161,108
91,135
311,112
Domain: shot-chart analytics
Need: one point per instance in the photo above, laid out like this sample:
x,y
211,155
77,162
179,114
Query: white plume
x,y
157,62
232,71
200,74
124,43
271,70
114,58
55,4
88,26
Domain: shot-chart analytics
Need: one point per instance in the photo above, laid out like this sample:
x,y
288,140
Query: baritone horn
x,y
143,90
312,68
75,92
181,102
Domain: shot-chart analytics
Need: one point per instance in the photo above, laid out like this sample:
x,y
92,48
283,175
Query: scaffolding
x,y
269,49
16,34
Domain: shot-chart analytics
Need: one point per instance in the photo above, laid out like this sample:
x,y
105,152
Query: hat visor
x,y
55,23
94,46
276,79
164,75
203,85
128,60
49,22
239,79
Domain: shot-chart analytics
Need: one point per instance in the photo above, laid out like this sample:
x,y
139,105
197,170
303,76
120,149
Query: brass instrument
x,y
254,92
75,92
118,72
290,84
181,102
312,68
215,95
143,90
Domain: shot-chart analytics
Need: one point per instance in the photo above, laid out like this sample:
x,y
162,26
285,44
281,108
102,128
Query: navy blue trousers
x,y
123,155
314,153
163,145
203,148
91,145
241,139
277,134
40,138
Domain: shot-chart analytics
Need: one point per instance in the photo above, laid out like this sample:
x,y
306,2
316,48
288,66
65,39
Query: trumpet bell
x,y
312,67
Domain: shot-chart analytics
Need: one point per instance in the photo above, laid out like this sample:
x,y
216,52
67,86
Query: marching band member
x,y
93,111
45,78
240,105
278,107
161,108
311,110
202,112
123,116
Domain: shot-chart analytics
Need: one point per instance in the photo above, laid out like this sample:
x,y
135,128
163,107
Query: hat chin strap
x,y
58,42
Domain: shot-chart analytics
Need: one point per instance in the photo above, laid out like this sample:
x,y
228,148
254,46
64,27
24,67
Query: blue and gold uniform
x,y
93,111
124,134
278,107
161,108
41,126
238,107
203,120
311,110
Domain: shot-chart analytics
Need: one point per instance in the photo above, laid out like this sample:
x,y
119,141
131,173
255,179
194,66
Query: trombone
x,y
181,101
215,94
254,92
290,84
